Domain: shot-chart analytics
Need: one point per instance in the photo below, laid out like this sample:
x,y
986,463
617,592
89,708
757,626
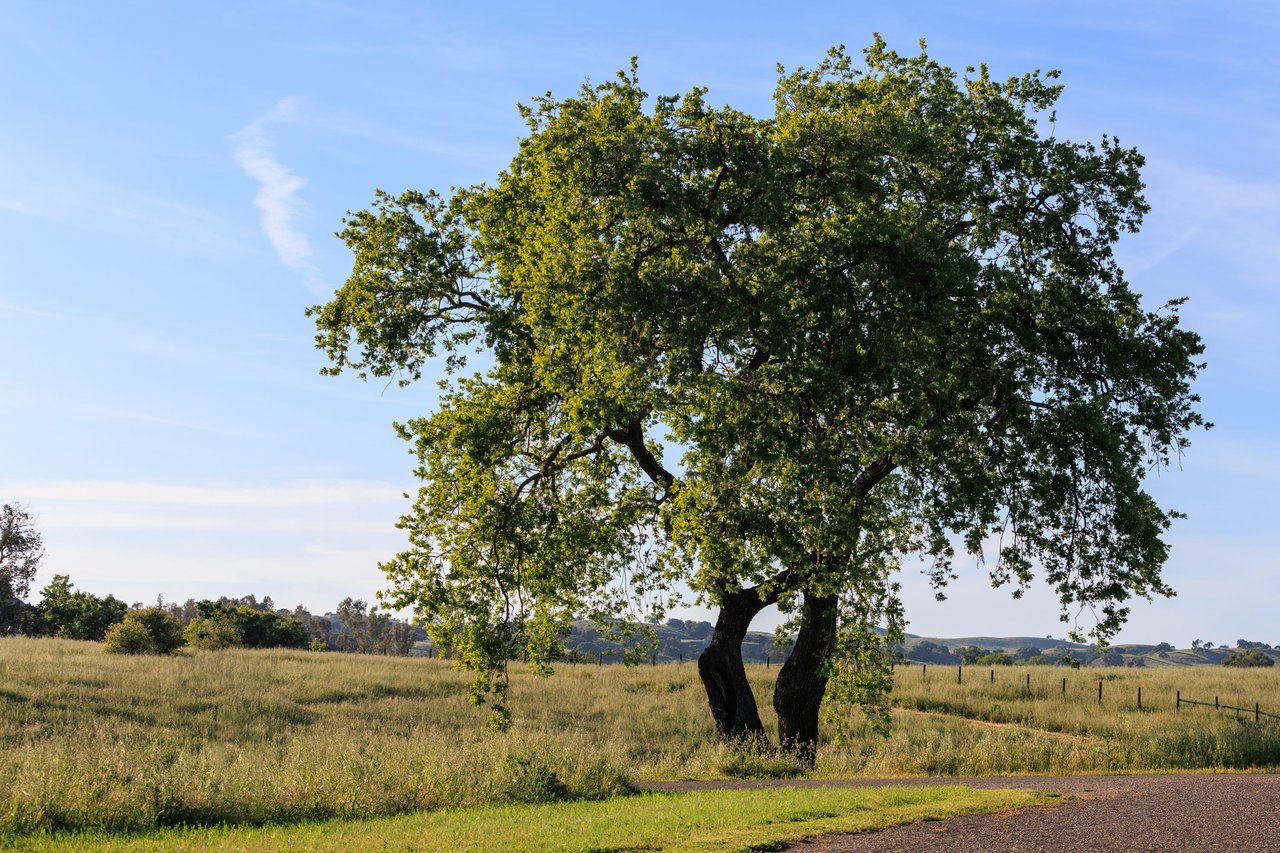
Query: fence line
x,y
1216,705
1179,701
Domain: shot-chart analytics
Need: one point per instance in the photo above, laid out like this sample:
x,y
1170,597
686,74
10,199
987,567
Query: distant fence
x,y
1178,701
1257,714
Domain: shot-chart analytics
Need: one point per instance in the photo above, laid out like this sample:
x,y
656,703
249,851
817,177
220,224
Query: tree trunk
x,y
733,705
802,681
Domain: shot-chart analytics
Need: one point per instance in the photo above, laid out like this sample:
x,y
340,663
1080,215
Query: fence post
x,y
1028,682
1139,697
1099,691
960,674
1215,704
682,657
653,659
1178,700
768,661
1064,687
924,670
1257,715
993,675
600,662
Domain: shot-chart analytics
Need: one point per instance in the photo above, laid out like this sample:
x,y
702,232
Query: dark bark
x,y
733,705
802,681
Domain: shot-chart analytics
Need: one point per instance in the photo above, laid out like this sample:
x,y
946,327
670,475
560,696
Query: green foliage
x,y
257,629
21,552
75,614
164,630
1249,658
20,555
319,645
995,659
212,634
883,320
130,637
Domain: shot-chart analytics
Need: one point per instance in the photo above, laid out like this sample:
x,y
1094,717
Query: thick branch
x,y
632,437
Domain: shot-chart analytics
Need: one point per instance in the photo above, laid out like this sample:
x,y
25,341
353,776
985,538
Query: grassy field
x,y
116,743
702,821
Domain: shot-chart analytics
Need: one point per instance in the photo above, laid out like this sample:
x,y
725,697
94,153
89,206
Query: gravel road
x,y
1203,813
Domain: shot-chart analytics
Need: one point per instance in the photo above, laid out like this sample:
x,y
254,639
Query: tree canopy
x,y
768,358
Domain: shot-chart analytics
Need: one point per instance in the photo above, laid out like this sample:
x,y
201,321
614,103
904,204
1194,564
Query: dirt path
x,y
1106,813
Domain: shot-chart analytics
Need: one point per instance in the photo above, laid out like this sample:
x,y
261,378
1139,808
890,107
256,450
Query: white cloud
x,y
314,541
277,197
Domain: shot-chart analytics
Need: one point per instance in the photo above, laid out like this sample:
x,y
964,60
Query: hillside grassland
x,y
91,741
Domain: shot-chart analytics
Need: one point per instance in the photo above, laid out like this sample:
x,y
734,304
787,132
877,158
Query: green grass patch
x,y
702,821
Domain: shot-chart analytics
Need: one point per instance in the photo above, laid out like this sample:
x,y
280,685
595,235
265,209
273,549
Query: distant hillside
x,y
952,651
684,640
678,640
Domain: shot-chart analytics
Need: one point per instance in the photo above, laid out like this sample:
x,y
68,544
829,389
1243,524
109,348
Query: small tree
x,y
129,637
165,631
212,634
146,631
20,554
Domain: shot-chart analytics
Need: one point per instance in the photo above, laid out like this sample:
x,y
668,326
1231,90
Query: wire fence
x,y
1179,700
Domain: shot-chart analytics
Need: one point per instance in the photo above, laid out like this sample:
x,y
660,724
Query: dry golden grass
x,y
90,740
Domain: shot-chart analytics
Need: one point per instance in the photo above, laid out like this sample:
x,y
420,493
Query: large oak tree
x,y
884,322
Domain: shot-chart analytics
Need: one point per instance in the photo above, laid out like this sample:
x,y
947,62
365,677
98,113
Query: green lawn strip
x,y
695,821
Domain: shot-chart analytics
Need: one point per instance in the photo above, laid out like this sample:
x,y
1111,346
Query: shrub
x,y
212,634
319,645
129,637
1249,658
995,659
165,631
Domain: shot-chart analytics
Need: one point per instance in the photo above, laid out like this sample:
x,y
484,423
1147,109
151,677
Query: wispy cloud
x,y
277,198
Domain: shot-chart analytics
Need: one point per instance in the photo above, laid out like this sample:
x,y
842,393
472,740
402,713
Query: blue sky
x,y
171,176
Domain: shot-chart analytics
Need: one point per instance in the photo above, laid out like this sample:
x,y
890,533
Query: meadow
x,y
91,741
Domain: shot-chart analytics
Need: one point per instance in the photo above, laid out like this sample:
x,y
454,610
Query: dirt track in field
x,y
1202,813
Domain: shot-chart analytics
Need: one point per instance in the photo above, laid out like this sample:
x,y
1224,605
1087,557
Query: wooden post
x,y
1215,704
1099,691
1257,715
600,662
924,670
768,661
682,657
1177,700
1064,686
993,675
1028,682
960,674
653,659
1139,697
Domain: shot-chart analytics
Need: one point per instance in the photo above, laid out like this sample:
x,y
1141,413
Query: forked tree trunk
x,y
802,681
733,705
